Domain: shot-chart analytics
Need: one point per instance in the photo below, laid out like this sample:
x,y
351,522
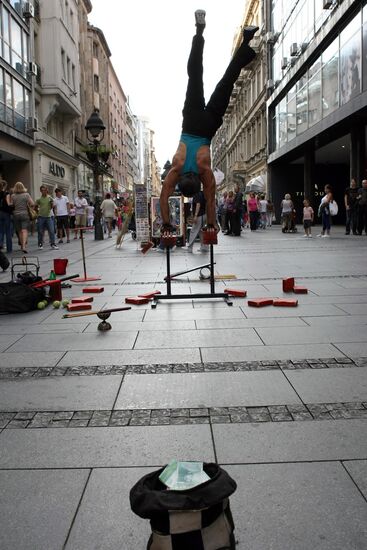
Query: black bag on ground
x,y
28,278
4,262
19,298
197,519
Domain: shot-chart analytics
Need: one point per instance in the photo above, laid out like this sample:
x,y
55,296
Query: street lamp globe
x,y
95,126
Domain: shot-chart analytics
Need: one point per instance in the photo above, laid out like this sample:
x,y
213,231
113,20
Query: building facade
x,y
239,147
118,131
133,165
57,97
317,111
17,84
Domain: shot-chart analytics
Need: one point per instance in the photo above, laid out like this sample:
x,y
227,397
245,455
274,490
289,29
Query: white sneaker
x,y
326,236
319,235
189,249
305,235
310,236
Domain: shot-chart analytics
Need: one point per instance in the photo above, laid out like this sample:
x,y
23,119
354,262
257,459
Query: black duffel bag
x,y
196,519
19,298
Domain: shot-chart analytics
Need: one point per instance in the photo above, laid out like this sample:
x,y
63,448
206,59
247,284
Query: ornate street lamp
x,y
95,133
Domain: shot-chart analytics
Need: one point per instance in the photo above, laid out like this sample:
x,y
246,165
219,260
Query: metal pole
x,y
168,271
212,283
98,230
83,253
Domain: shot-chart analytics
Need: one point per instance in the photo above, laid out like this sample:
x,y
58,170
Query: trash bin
x,y
195,519
60,266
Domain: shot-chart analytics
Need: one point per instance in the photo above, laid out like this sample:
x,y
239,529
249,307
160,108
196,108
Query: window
x,y
63,64
95,50
73,77
68,70
350,63
96,83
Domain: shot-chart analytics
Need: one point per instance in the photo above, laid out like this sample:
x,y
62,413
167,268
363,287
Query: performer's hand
x,y
167,230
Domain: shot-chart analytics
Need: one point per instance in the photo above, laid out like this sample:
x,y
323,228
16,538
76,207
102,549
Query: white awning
x,y
257,184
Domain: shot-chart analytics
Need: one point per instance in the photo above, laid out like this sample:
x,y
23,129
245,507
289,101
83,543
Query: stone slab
x,y
354,309
29,359
337,321
104,447
297,507
310,335
45,328
217,389
146,326
222,338
290,441
249,323
59,393
131,357
353,350
358,471
82,342
37,507
312,310
164,312
6,340
105,519
330,385
265,353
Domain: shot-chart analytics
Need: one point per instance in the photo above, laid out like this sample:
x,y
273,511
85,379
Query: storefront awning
x,y
256,185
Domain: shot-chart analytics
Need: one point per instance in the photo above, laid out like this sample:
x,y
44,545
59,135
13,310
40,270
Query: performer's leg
x,y
195,89
219,100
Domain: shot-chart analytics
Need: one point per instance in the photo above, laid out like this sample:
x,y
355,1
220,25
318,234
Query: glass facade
x,y
336,77
14,92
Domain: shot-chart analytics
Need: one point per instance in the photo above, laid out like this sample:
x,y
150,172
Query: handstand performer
x,y
191,164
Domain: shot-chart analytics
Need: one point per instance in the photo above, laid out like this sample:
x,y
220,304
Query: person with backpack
x,y
6,210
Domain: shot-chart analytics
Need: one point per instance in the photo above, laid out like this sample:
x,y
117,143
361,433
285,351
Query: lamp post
x,y
95,133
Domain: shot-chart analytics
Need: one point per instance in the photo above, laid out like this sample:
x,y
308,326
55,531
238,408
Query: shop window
x,y
350,68
302,110
314,99
282,121
330,85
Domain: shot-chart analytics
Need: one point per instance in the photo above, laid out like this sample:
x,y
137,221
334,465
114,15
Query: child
x,y
308,215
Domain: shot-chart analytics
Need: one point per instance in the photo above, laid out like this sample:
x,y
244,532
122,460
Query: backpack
x,y
19,298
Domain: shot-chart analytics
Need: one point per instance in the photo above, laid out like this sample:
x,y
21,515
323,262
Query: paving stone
x,y
82,415
240,417
59,423
358,471
160,412
282,417
180,412
198,420
199,412
301,416
159,421
215,419
24,415
78,423
13,424
219,411
63,415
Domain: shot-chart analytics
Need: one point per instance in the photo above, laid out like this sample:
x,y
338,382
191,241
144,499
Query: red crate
x,y
79,307
136,300
300,290
93,289
288,284
282,302
235,292
260,302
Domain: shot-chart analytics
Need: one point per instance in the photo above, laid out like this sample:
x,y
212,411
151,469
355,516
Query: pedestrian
x,y
198,222
362,208
237,211
21,200
80,204
263,208
191,165
229,213
324,211
62,210
286,213
6,211
44,206
72,215
351,207
222,211
269,213
108,209
90,215
253,210
308,217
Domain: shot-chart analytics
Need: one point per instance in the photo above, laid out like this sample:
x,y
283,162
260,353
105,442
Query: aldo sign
x,y
56,170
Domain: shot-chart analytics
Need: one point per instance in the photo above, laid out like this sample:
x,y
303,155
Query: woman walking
x,y
21,199
253,210
324,211
5,218
287,210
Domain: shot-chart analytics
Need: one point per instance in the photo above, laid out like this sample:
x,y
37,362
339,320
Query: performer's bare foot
x,y
200,21
248,33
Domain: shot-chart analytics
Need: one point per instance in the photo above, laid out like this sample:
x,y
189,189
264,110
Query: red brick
x,y
150,294
82,300
93,289
300,290
137,300
210,237
288,284
260,302
79,307
283,302
236,292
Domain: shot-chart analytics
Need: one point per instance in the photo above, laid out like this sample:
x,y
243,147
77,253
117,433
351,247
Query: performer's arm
x,y
207,177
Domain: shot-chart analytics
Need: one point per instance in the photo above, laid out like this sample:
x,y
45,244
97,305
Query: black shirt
x,y
351,193
199,198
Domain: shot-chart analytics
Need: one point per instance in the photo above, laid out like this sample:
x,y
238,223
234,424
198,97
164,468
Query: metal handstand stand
x,y
169,296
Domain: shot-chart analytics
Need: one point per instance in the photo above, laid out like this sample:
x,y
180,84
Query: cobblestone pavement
x,y
278,396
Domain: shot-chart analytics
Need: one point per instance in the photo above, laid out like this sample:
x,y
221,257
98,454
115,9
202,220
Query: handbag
x,y
31,212
333,208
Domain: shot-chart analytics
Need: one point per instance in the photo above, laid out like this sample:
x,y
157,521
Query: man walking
x,y
191,164
44,206
80,205
351,207
62,209
108,209
362,208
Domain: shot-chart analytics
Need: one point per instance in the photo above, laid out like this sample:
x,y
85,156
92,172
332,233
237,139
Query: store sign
x,y
56,170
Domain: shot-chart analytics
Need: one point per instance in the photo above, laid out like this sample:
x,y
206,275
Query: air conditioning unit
x,y
271,37
32,69
28,10
327,4
294,49
284,64
270,84
304,46
32,124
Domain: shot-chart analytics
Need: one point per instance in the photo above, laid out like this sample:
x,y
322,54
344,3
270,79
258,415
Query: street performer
x,y
191,164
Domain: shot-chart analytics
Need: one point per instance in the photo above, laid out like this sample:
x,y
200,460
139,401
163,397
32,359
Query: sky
x,y
150,42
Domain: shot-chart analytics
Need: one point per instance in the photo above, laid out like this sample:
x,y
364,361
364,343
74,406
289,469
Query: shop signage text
x,y
56,170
